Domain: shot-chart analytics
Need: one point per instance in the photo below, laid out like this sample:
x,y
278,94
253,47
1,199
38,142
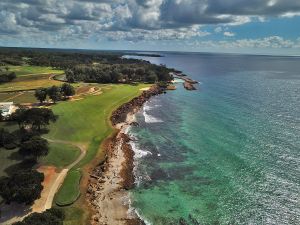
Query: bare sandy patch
x,y
51,175
145,89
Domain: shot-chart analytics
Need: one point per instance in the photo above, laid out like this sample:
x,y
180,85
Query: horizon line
x,y
166,51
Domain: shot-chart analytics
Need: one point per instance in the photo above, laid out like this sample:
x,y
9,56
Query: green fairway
x,y
69,192
87,121
26,69
60,155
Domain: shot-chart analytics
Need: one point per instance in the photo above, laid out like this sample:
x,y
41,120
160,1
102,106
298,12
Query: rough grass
x,y
30,77
87,121
26,69
60,155
69,192
73,215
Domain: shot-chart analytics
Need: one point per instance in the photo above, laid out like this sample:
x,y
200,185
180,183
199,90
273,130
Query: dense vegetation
x,y
33,118
49,217
54,93
23,185
6,75
89,66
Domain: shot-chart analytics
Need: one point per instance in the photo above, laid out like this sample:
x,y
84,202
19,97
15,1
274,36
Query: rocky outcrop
x,y
119,116
188,86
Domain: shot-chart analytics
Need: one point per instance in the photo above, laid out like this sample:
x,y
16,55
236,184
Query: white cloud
x,y
273,42
228,34
218,29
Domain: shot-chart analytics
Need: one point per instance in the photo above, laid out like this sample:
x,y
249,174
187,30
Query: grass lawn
x,y
27,69
87,121
30,77
18,97
69,192
60,155
74,215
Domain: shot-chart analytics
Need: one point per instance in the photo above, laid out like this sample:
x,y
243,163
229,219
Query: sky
x,y
231,26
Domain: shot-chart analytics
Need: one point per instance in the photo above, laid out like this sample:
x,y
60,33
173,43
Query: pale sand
x,y
145,89
111,201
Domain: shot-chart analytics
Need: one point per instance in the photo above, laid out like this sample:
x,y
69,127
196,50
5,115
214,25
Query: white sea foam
x,y
138,153
133,211
149,118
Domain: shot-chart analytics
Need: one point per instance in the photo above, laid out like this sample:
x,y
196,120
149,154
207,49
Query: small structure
x,y
7,108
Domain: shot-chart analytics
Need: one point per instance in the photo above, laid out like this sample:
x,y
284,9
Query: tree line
x,y
90,66
118,73
53,216
55,93
6,75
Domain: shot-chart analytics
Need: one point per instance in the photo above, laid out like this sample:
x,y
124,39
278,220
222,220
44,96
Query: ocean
x,y
227,153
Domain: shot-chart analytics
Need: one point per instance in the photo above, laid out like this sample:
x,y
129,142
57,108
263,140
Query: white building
x,y
7,108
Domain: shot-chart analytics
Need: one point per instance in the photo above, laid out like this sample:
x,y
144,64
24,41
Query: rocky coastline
x,y
109,182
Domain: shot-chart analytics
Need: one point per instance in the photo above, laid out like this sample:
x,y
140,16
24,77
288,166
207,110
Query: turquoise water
x,y
228,153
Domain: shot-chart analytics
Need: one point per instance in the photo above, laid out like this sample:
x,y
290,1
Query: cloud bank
x,y
51,21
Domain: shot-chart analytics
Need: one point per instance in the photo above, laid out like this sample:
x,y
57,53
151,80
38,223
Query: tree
x,y
7,140
41,94
33,118
36,147
19,117
22,187
67,90
151,77
53,216
1,116
54,93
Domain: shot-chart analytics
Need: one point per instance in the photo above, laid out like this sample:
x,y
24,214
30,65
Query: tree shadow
x,y
13,212
26,164
16,156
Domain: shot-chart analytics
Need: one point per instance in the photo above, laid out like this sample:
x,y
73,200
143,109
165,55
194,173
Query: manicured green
x,y
60,155
69,192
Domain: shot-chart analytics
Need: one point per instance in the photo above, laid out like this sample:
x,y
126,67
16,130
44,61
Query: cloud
x,y
228,34
132,20
273,42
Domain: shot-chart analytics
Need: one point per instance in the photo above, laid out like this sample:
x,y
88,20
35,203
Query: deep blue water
x,y
228,153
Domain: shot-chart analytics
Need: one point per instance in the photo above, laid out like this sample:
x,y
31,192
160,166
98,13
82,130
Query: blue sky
x,y
236,26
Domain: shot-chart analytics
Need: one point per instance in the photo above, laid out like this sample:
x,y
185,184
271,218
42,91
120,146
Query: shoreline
x,y
110,182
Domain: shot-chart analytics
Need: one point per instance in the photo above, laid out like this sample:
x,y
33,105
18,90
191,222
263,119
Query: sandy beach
x,y
109,182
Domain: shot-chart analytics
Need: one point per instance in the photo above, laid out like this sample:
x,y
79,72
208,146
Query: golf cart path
x,y
62,175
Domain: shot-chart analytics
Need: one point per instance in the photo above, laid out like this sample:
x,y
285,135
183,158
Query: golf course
x,y
74,139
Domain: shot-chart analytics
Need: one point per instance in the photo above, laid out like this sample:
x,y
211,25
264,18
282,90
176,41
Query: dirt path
x,y
13,97
62,175
52,183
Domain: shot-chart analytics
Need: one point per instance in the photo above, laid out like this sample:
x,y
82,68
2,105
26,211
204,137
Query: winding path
x,y
62,175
